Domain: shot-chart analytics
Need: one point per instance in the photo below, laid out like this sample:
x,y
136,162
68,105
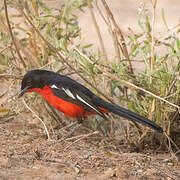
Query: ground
x,y
26,153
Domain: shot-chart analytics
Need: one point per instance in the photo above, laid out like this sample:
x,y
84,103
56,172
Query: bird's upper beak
x,y
22,91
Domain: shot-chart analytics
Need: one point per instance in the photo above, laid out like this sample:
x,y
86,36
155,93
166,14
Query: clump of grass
x,y
51,39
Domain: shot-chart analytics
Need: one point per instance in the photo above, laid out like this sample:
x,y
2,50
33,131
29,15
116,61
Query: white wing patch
x,y
82,100
54,86
69,93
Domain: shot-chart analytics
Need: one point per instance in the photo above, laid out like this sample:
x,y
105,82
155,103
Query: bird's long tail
x,y
127,114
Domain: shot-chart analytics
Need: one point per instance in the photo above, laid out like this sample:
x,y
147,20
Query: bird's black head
x,y
33,79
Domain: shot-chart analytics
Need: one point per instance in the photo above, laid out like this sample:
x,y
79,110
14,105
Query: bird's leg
x,y
102,125
68,126
80,120
75,126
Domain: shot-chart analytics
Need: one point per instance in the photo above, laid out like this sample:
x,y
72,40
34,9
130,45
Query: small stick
x,y
119,32
37,118
112,32
97,30
12,36
11,76
152,61
68,126
169,147
85,136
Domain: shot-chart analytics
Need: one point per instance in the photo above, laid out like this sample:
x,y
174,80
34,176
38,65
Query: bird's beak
x,y
22,91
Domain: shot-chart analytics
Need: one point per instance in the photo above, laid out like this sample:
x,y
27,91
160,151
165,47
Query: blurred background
x,y
126,14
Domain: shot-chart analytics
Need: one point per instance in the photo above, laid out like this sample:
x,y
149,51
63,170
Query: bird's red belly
x,y
69,109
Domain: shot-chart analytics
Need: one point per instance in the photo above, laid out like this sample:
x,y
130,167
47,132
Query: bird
x,y
74,99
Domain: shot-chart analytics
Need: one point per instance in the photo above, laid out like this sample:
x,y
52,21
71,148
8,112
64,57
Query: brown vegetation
x,y
35,36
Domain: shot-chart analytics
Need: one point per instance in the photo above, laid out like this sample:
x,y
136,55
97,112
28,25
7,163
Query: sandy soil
x,y
26,154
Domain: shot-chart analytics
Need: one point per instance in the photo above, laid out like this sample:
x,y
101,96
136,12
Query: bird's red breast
x,y
68,108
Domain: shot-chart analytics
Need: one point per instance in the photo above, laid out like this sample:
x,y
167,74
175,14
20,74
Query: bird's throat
x,y
38,90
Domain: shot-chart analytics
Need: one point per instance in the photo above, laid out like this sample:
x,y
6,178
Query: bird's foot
x,y
73,126
69,134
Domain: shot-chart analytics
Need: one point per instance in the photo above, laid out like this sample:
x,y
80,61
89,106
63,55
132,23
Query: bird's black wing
x,y
74,95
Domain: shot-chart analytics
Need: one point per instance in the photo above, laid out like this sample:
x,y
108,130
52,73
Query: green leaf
x,y
164,19
178,44
87,46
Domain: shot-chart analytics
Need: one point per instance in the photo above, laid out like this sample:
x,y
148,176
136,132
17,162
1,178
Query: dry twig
x,y
97,30
152,62
82,137
113,33
11,76
37,118
119,32
12,36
